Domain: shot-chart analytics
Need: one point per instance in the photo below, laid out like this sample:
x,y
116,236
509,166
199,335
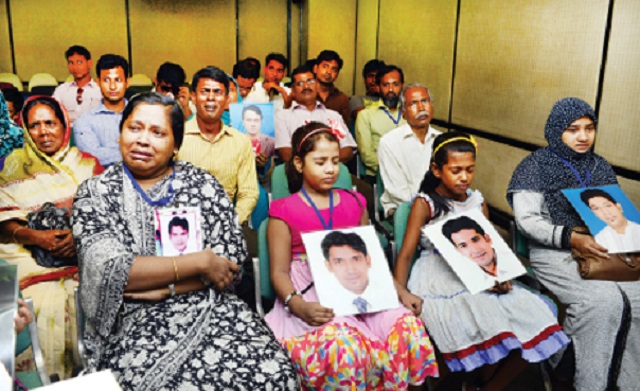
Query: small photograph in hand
x,y
612,218
474,250
350,271
178,231
256,121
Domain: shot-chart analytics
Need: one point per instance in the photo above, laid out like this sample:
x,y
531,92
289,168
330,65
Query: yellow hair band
x,y
469,140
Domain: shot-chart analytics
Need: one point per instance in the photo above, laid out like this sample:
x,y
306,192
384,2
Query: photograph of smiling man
x,y
486,259
350,271
612,218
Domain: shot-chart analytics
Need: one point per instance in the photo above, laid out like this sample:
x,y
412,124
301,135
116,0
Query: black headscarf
x,y
544,171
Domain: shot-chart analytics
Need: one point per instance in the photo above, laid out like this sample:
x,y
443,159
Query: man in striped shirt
x,y
221,150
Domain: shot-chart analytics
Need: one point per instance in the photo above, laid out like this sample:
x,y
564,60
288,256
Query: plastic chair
x,y
42,83
261,270
400,219
280,186
13,79
69,79
39,377
261,211
80,321
140,80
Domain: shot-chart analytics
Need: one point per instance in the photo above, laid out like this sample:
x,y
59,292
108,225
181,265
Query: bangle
x,y
288,299
15,231
172,289
175,268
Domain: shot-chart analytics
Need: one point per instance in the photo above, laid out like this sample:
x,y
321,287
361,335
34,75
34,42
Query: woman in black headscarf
x,y
605,335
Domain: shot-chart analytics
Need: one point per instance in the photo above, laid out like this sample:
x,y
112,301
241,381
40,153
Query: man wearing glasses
x,y
83,93
306,108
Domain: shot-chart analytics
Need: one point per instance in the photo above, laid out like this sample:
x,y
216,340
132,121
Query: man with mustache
x,y
304,109
404,153
376,120
217,148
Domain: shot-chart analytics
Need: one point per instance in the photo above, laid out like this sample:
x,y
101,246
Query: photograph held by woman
x,y
46,169
599,321
166,323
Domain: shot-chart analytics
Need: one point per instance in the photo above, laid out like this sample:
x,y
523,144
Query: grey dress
x,y
594,308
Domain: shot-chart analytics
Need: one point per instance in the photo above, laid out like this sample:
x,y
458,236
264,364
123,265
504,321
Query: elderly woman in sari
x,y
47,169
161,322
602,316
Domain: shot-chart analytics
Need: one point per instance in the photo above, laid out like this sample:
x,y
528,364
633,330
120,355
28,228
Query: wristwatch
x,y
288,299
172,290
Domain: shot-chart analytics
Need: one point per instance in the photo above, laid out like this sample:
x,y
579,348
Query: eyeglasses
x,y
166,89
79,96
302,83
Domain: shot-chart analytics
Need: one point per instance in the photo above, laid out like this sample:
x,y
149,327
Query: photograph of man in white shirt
x,y
620,235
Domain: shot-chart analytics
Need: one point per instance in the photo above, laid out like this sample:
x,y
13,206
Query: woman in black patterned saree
x,y
159,322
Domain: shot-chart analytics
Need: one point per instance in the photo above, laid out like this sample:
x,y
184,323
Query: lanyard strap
x,y
395,121
576,173
315,208
162,201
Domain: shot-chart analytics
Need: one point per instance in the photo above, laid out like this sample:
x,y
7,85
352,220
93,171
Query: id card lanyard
x,y
162,201
327,225
576,173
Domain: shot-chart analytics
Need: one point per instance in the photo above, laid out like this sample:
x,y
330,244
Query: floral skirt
x,y
337,356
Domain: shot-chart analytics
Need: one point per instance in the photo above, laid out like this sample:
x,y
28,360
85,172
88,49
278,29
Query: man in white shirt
x,y
620,235
347,258
304,109
179,239
83,93
271,89
404,153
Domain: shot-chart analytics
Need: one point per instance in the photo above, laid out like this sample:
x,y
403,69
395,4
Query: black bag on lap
x,y
50,217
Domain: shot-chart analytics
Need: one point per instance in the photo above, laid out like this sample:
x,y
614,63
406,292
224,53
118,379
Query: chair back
x,y
400,219
13,79
140,80
42,80
261,211
280,186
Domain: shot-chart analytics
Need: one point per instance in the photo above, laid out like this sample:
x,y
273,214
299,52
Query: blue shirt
x,y
97,132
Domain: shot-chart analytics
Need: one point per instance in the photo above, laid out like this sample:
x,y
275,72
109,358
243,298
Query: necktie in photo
x,y
361,304
79,96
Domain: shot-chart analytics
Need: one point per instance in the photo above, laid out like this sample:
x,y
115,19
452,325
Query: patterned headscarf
x,y
544,171
11,136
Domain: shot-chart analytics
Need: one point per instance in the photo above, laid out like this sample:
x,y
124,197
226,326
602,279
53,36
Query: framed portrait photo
x,y
612,218
178,231
474,250
256,120
350,271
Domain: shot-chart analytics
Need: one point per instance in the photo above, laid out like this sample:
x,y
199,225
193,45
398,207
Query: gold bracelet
x,y
16,230
175,268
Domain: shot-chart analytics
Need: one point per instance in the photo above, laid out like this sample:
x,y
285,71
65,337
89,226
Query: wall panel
x,y
495,163
366,40
418,36
5,43
262,28
191,33
618,140
43,30
330,25
516,58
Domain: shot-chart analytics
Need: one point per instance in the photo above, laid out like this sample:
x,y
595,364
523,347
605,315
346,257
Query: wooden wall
x,y
494,67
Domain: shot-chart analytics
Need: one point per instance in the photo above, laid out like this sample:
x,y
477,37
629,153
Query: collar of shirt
x,y
407,133
297,106
102,109
381,106
90,84
196,130
332,92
